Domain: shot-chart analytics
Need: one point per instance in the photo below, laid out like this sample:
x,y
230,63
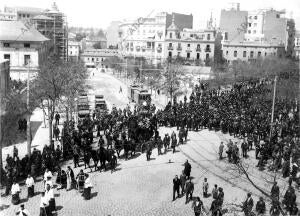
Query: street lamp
x,y
28,114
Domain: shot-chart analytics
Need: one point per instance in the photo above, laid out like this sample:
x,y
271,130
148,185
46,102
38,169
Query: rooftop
x,y
253,44
17,31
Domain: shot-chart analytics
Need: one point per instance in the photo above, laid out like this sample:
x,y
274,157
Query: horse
x,y
95,157
129,146
106,155
86,159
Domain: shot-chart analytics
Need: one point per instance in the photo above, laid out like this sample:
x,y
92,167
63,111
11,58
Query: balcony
x,y
179,48
207,49
159,49
188,49
138,48
170,48
198,49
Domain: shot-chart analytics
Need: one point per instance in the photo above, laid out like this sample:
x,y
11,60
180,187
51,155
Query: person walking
x,y
30,186
182,182
260,206
57,117
248,205
44,206
215,192
176,185
275,191
49,194
174,143
189,191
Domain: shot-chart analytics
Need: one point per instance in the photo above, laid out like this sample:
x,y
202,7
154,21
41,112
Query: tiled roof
x,y
42,17
17,31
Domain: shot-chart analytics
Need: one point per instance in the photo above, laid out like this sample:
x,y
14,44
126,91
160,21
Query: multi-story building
x,y
8,15
4,78
74,50
297,45
192,45
249,51
112,34
23,46
266,29
50,22
145,37
96,57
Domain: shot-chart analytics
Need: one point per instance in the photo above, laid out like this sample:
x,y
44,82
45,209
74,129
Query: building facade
x,y
297,45
145,37
249,51
24,47
8,15
4,78
95,58
73,50
91,41
268,30
191,45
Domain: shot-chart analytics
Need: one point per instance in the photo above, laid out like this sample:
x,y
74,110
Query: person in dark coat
x,y
176,185
260,206
187,169
248,205
189,191
275,191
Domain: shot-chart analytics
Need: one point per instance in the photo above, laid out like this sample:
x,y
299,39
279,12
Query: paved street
x,y
141,187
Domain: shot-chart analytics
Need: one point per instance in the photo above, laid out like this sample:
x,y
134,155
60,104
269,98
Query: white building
x,y
23,46
255,23
95,58
8,15
249,51
73,50
145,37
191,45
297,45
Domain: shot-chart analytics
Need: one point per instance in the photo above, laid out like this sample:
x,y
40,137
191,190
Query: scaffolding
x,y
53,25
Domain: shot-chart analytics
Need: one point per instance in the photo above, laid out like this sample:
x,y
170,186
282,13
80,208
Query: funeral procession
x,y
170,109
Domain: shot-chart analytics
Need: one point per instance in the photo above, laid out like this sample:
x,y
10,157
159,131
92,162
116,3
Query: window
x,y
188,55
27,15
208,36
235,53
226,35
178,54
249,31
92,59
244,54
88,59
189,45
170,44
251,54
170,35
70,52
97,59
170,54
26,59
250,17
227,52
198,55
277,16
255,17
24,15
265,53
255,24
102,59
6,44
7,56
259,54
254,32
249,24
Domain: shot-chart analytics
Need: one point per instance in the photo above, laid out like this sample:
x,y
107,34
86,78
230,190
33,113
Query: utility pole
x,y
140,72
28,115
273,106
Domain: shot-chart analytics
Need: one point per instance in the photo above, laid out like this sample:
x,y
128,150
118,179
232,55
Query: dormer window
x,y
27,45
170,34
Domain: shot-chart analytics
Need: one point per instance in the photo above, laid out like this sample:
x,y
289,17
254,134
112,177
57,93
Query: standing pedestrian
x,y
15,191
44,206
187,169
176,185
49,194
215,192
87,187
57,117
247,205
174,143
275,191
221,148
30,186
182,182
205,188
189,191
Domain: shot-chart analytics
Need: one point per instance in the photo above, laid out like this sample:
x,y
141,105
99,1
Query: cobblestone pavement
x,y
141,187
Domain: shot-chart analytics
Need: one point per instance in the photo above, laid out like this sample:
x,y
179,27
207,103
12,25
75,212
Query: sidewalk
x,y
39,139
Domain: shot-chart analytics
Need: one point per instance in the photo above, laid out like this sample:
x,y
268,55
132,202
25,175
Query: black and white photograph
x,y
149,108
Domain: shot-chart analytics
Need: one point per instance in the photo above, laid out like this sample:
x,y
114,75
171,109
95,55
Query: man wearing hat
x,y
15,190
248,204
22,211
30,186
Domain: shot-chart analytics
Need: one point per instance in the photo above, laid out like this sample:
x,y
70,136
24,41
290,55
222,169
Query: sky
x,y
99,14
